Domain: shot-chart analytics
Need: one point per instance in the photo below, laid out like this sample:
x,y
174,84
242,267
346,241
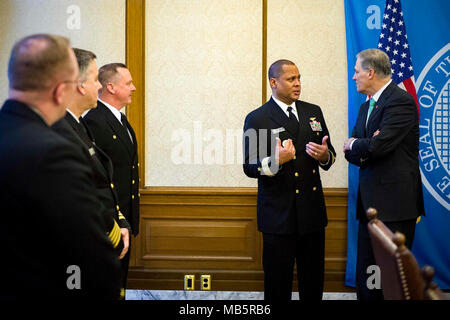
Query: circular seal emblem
x,y
433,93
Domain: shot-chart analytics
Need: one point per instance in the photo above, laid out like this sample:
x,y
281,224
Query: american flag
x,y
394,41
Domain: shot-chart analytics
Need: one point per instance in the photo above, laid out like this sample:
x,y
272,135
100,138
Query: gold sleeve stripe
x,y
118,234
112,239
333,159
115,235
121,217
116,241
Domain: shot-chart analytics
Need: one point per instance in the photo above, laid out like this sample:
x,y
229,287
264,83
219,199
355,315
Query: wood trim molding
x,y
135,61
232,191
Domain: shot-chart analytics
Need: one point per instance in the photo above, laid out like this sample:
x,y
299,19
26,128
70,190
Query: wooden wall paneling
x,y
200,227
135,61
336,240
214,231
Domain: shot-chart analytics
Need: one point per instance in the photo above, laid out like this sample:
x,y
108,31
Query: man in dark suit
x,y
72,127
385,146
115,136
52,227
285,142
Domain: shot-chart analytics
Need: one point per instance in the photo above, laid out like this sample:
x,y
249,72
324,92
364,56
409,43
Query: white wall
x,y
98,26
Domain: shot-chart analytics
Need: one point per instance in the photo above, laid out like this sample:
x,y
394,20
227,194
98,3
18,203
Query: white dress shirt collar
x,y
284,107
115,112
377,95
74,116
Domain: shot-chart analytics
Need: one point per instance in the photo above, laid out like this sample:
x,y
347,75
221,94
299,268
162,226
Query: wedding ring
x,y
315,153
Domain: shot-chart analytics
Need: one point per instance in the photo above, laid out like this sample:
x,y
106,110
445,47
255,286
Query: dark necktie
x,y
123,119
84,134
83,126
291,114
293,122
125,124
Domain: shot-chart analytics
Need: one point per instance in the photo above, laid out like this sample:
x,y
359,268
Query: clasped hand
x,y
348,142
126,241
285,152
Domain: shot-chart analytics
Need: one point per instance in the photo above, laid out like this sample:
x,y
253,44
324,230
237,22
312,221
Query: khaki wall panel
x,y
311,33
203,75
214,231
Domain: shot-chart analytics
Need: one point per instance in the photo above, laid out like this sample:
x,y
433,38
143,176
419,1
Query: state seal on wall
x,y
433,93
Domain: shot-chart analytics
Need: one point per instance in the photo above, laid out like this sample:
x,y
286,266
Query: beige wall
x,y
203,75
97,25
311,33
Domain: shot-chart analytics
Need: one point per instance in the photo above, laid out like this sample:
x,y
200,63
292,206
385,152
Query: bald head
x,y
37,62
43,74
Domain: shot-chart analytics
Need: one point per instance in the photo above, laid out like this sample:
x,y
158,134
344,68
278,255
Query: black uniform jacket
x,y
114,140
292,200
51,220
102,169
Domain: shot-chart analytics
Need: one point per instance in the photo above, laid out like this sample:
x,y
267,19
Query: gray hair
x,y
84,58
108,72
377,60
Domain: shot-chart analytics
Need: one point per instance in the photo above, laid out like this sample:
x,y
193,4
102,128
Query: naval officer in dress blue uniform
x,y
286,142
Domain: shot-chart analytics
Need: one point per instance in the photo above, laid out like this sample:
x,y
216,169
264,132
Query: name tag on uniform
x,y
276,131
315,125
91,151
